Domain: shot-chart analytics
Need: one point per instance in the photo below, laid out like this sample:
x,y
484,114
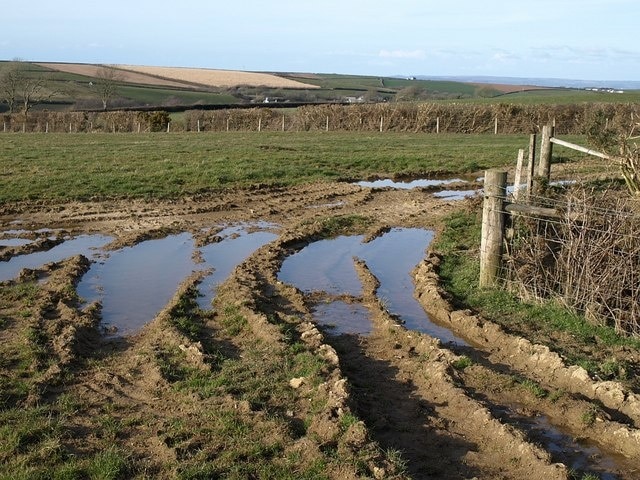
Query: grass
x,y
541,321
63,167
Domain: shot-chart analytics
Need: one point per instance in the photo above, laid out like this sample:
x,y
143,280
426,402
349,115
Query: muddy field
x,y
284,386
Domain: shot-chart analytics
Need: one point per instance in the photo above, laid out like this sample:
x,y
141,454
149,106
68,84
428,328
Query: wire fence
x,y
386,117
587,257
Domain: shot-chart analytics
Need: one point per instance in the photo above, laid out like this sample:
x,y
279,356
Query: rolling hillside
x,y
76,86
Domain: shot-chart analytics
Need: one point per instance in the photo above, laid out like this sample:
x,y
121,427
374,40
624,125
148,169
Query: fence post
x,y
283,123
381,123
493,222
437,124
495,126
518,176
546,149
532,164
198,125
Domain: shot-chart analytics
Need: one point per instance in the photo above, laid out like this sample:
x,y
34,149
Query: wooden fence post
x,y
283,123
437,124
532,164
518,176
544,168
381,123
493,222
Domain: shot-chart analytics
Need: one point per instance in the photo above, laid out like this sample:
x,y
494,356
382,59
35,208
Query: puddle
x,y
224,256
424,182
87,245
562,446
455,194
341,317
327,266
135,283
14,242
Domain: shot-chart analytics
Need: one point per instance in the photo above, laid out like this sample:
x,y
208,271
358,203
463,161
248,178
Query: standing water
x,y
327,266
236,245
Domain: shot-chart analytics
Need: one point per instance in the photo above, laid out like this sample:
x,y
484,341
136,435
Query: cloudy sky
x,y
575,39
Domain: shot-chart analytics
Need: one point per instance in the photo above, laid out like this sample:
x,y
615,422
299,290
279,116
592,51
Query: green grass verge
x,y
63,167
459,244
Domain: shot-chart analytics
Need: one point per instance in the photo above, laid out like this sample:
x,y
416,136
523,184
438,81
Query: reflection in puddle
x,y
327,266
225,255
87,245
566,448
135,283
408,185
456,194
341,317
14,242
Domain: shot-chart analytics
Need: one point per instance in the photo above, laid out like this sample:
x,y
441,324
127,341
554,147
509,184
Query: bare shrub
x,y
589,260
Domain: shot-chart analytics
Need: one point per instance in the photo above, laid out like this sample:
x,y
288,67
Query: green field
x,y
76,91
62,167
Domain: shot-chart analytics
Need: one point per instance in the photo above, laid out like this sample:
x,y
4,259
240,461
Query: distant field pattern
x,y
181,77
217,78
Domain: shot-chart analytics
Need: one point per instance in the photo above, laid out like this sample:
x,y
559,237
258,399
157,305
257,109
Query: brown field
x,y
217,78
181,77
126,76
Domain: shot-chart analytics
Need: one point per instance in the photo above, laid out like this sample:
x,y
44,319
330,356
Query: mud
x,y
449,409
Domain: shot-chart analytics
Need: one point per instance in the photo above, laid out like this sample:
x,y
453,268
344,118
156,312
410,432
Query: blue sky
x,y
581,39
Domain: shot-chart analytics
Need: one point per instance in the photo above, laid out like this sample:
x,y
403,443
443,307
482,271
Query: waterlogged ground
x,y
277,333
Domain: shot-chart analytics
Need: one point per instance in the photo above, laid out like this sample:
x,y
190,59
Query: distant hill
x,y
539,82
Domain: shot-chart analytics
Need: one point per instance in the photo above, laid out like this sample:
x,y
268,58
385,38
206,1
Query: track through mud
x,y
394,403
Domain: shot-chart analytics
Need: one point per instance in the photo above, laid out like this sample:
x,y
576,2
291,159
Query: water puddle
x,y
15,242
135,283
419,183
87,245
456,194
575,455
328,266
340,317
236,245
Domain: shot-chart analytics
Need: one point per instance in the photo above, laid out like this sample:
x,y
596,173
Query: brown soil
x,y
181,77
447,411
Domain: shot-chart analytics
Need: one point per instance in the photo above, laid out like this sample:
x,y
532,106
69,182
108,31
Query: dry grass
x,y
123,75
217,78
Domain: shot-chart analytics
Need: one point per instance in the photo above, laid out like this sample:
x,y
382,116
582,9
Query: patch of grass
x,y
459,271
102,165
185,315
233,322
534,388
589,416
109,464
343,225
462,362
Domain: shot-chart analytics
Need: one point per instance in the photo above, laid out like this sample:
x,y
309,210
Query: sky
x,y
572,39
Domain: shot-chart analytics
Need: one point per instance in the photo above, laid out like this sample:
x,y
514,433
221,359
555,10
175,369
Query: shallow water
x,y
341,317
87,245
328,266
423,182
135,283
224,256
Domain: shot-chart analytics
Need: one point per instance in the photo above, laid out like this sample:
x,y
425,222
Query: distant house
x,y
354,99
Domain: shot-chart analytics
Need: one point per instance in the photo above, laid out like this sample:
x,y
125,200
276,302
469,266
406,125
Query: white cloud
x,y
412,54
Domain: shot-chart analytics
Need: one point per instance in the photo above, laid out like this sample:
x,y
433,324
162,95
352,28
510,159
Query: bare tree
x,y
108,78
10,81
19,85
